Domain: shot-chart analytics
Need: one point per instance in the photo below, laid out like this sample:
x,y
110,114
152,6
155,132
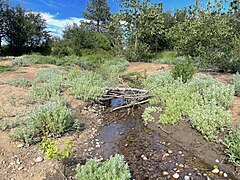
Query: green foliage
x,y
50,149
235,81
210,120
99,13
203,99
183,70
233,147
148,114
21,62
5,68
49,75
114,168
207,35
54,117
164,57
20,82
213,91
86,85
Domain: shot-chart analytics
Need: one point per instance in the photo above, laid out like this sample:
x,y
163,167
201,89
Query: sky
x,y
59,13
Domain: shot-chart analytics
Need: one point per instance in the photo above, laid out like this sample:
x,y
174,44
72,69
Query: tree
x,y
98,11
24,31
3,7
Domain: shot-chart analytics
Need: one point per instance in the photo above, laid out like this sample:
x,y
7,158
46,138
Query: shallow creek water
x,y
148,155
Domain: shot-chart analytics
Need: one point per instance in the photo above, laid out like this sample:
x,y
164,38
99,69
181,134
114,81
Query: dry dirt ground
x,y
17,162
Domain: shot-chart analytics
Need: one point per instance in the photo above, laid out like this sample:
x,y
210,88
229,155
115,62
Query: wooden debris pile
x,y
120,98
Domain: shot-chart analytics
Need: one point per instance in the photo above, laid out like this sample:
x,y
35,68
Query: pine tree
x,y
98,11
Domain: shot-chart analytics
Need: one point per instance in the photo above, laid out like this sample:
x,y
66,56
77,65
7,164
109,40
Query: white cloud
x,y
56,26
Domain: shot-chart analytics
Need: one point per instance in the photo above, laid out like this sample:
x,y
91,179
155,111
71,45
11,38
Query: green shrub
x,y
114,168
53,117
139,54
184,70
21,62
213,91
235,81
210,120
5,68
165,57
20,82
50,149
148,114
49,75
203,99
87,85
232,142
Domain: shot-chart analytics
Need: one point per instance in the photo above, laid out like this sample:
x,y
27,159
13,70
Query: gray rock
x,y
38,159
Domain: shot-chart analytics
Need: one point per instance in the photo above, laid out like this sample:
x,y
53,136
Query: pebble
x,y
165,155
181,166
186,178
38,159
20,145
225,175
176,176
170,151
215,171
179,152
143,157
217,161
165,173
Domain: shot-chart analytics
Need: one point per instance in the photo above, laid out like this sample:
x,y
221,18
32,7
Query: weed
x,y
114,168
53,117
86,85
49,75
235,81
165,57
50,149
20,82
21,62
233,147
6,68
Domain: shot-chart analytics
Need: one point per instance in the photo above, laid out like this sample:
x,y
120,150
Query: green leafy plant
x,y
233,147
235,81
49,75
20,82
210,120
148,114
87,85
21,62
50,149
5,68
184,70
53,117
114,168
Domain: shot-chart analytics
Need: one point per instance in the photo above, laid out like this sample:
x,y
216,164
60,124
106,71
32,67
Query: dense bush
x,y
235,81
210,120
54,118
165,57
86,85
114,168
233,147
203,99
184,70
6,68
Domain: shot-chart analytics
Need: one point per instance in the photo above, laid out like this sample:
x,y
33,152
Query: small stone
x,y
165,155
186,178
221,172
225,175
217,161
20,145
215,171
189,174
170,151
143,157
181,166
179,152
176,176
38,159
204,174
165,173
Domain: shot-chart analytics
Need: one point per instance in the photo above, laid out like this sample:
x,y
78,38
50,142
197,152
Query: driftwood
x,y
128,97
